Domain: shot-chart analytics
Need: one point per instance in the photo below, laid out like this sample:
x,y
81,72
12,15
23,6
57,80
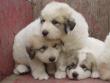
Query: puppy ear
x,y
69,26
31,52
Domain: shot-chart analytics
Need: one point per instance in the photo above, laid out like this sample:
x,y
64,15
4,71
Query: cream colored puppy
x,y
60,21
24,54
85,64
91,62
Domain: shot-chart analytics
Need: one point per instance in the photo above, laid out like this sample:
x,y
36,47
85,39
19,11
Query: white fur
x,y
19,49
21,41
104,65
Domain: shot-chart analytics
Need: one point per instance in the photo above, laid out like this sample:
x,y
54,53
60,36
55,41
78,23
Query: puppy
x,y
85,63
81,66
46,51
51,56
60,21
39,52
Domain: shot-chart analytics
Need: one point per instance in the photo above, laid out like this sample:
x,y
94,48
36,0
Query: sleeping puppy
x,y
60,21
93,63
81,66
86,61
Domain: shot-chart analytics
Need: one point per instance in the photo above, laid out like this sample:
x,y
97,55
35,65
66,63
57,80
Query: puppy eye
x,y
71,66
42,20
84,67
55,45
55,22
43,48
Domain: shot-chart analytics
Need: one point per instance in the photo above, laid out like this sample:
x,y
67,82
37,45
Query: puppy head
x,y
55,20
83,68
46,51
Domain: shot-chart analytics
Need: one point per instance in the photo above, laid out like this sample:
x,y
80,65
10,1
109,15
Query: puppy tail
x,y
107,40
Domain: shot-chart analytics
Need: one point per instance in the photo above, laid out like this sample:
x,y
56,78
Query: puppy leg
x,y
38,70
95,74
21,69
60,73
61,67
92,60
51,68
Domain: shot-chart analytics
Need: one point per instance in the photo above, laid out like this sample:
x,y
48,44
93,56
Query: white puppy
x,y
24,54
85,63
60,21
93,61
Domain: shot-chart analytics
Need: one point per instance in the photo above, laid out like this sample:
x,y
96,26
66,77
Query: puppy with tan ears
x,y
60,21
86,63
81,66
32,50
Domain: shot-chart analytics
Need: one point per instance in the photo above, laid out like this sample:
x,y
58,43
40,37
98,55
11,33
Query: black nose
x,y
52,59
75,75
45,33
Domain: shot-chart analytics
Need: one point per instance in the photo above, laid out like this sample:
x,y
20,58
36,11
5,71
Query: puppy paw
x,y
95,75
21,69
40,76
60,75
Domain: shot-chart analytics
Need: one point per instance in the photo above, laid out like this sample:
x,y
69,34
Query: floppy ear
x,y
31,52
69,26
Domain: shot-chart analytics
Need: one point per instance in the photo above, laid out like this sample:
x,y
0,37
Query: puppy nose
x,y
75,75
52,59
45,33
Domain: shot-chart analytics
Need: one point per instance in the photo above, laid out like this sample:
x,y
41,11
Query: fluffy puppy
x,y
93,61
60,21
104,65
52,56
81,66
85,63
24,55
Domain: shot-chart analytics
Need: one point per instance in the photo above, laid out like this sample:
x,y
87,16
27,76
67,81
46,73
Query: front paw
x,y
95,75
60,75
40,76
21,69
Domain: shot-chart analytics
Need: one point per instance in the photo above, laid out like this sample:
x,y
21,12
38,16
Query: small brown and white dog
x,y
86,62
31,49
